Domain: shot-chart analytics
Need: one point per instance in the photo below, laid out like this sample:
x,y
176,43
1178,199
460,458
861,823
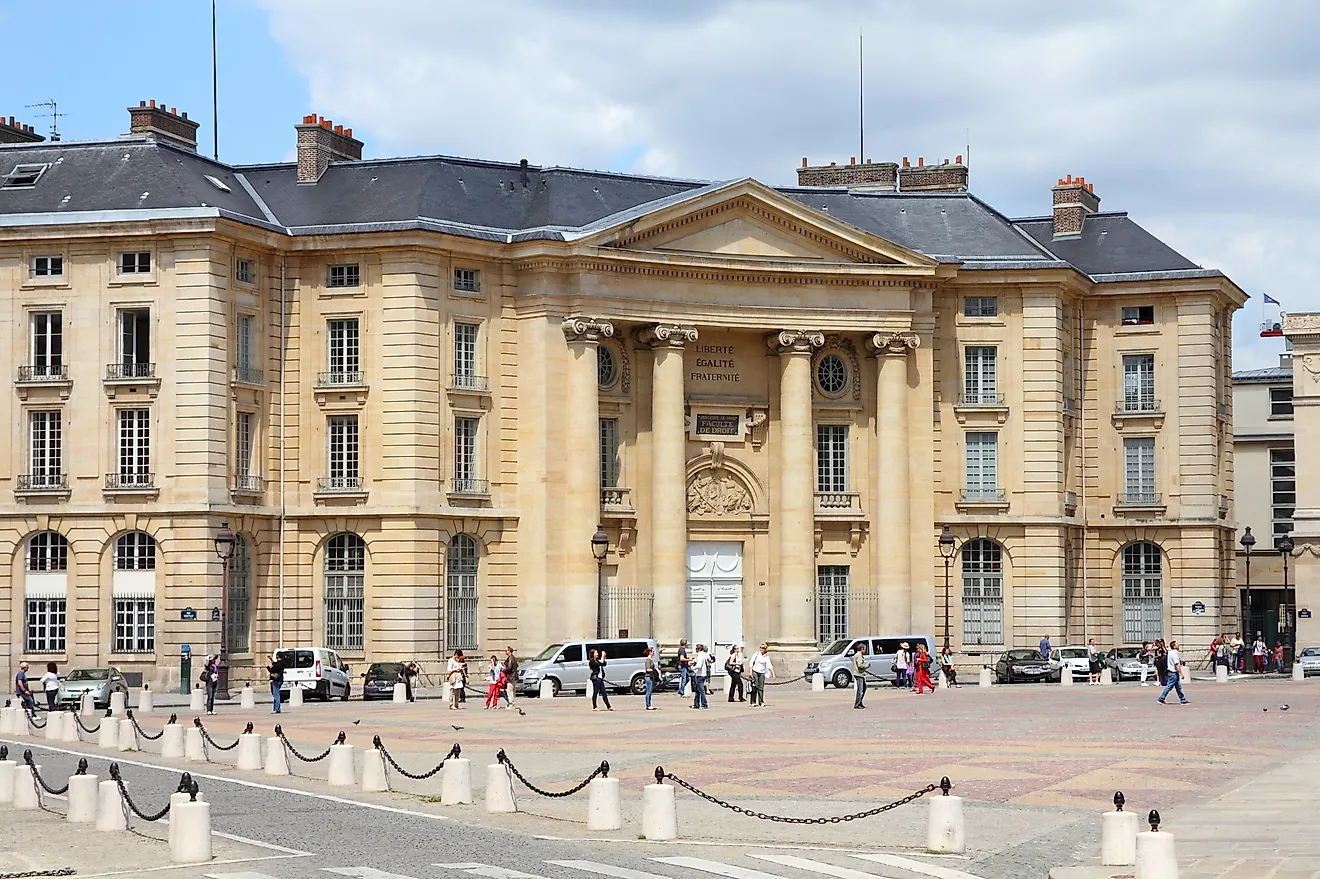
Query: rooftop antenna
x,y
861,115
215,106
54,115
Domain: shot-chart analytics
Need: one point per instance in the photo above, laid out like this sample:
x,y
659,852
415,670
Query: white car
x,y
317,671
1309,657
1074,658
1127,666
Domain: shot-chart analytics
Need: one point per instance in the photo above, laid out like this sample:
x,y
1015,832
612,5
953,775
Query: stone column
x,y
668,480
581,413
892,533
797,488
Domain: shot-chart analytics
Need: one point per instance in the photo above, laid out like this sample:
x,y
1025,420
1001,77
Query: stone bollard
x,y
547,689
127,736
818,683
249,752
7,775
373,771
986,678
171,741
118,704
1221,674
7,715
83,797
295,698
277,762
194,749
603,809
108,735
87,705
1156,857
177,799
146,701
499,789
54,726
22,725
659,809
1118,836
197,700
400,693
191,842
26,795
110,808
945,831
247,698
69,733
456,782
1298,673
340,771
1106,676
1065,676
943,681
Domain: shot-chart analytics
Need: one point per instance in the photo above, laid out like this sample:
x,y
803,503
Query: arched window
x,y
135,551
607,370
345,574
1143,593
134,590
983,592
237,620
48,551
46,592
461,559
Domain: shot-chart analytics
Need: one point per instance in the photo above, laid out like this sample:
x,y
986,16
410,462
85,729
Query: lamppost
x,y
1285,550
600,546
224,548
948,546
1248,541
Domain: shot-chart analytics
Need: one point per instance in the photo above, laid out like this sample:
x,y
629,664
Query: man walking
x,y
1175,674
700,674
684,669
1045,647
761,666
860,667
510,676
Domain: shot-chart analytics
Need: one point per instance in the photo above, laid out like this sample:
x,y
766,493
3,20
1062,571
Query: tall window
x,y
236,614
461,560
45,603
342,458
983,592
831,603
243,436
345,573
831,457
343,354
243,271
134,447
135,342
45,449
1143,602
465,452
134,593
1283,491
981,376
982,466
1281,402
244,359
465,355
135,551
47,624
609,452
48,345
135,625
1139,469
1139,382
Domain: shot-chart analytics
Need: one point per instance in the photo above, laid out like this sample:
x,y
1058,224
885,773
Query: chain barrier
x,y
187,785
77,717
279,732
57,792
174,718
62,871
455,751
206,736
661,776
602,771
32,719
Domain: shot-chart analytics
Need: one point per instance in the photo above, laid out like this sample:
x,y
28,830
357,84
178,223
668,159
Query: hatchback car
x,y
1075,658
1126,665
379,680
1309,657
1022,665
100,682
317,671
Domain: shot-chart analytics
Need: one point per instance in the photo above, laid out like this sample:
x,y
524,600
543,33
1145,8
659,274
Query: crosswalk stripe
x,y
917,867
817,867
489,871
246,874
364,873
607,870
717,868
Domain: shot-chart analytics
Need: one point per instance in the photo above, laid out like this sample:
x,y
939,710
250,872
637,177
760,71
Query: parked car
x,y
1309,657
317,671
1075,658
100,682
835,661
379,679
1023,665
565,666
1126,666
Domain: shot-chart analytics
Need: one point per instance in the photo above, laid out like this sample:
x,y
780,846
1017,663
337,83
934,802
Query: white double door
x,y
714,598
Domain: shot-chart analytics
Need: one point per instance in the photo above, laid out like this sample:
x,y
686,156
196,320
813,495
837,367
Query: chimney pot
x,y
11,121
832,164
142,103
905,162
804,161
339,129
959,160
867,161
174,111
921,161
185,114
153,103
852,160
348,132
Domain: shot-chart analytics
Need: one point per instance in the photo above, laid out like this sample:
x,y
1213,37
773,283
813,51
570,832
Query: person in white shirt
x,y
701,663
761,666
1257,654
1175,674
50,682
454,678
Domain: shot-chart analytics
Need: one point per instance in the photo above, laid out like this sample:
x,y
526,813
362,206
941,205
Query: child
x,y
1278,657
494,682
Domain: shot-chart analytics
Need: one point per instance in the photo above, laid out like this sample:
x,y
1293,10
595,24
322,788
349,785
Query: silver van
x,y
835,661
565,666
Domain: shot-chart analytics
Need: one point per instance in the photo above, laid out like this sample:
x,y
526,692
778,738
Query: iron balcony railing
x,y
249,483
469,486
339,379
248,376
43,482
1139,499
1129,405
130,481
334,484
43,374
980,399
983,495
466,382
122,371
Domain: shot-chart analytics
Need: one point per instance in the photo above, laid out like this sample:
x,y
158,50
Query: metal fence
x,y
625,609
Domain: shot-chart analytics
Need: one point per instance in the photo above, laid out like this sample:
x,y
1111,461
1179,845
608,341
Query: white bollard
x,y
400,693
547,689
945,831
247,699
171,741
191,842
69,732
818,683
177,799
249,752
110,810
1298,673
340,772
54,726
87,705
456,782
7,774
1118,839
22,725
1221,674
146,701
499,789
194,749
127,736
197,700
659,812
83,796
7,715
986,678
1156,856
277,762
295,698
603,809
26,796
108,735
1065,676
373,771
943,680
118,703
1106,676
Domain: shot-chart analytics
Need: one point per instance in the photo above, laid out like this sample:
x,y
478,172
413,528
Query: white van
x,y
317,671
565,666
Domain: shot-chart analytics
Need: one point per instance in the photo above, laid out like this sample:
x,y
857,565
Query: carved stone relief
x,y
716,493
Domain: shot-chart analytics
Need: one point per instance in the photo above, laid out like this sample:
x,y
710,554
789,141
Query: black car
x,y
1022,665
379,681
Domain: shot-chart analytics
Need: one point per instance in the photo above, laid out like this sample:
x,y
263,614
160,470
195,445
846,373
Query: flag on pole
x,y
1270,299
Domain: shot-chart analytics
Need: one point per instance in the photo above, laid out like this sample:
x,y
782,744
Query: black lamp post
x,y
600,547
224,548
1248,541
948,546
1285,550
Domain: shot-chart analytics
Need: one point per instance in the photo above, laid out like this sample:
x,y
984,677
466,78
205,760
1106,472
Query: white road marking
x,y
246,874
490,872
259,844
817,867
717,868
918,867
365,873
715,843
607,870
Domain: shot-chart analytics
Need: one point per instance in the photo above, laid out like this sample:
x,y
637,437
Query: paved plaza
x,y
1036,764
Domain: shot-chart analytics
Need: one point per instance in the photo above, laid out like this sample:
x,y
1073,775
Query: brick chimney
x,y
1073,200
945,177
17,132
150,120
321,142
867,177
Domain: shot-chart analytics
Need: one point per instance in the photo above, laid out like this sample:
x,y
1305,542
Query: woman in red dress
x,y
922,664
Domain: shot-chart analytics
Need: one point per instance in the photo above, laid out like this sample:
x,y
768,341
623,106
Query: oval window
x,y
832,375
606,370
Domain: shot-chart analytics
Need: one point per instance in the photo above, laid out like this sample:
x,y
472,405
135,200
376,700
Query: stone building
x,y
415,387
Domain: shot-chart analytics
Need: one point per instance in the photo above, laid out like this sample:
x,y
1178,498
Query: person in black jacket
x,y
597,663
733,666
275,670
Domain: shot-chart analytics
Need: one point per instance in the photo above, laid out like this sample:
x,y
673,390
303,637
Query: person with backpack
x,y
211,679
733,667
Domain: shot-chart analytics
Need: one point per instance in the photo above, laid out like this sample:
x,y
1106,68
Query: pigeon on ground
x,y
356,722
522,713
1283,707
456,727
1264,709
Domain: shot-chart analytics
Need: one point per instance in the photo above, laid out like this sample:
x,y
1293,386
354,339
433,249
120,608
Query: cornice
x,y
688,268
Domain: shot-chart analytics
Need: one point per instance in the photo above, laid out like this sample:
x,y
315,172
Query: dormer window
x,y
23,176
1139,316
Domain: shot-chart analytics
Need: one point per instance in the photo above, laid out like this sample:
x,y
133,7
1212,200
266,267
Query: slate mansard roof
x,y
140,178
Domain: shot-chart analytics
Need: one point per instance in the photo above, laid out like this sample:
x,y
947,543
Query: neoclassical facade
x,y
415,388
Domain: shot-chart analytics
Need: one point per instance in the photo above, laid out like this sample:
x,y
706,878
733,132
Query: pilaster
x,y
893,516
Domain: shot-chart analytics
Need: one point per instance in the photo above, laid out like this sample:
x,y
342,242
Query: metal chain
x,y
453,752
78,719
602,771
142,732
294,751
32,719
661,774
62,871
123,795
197,721
58,792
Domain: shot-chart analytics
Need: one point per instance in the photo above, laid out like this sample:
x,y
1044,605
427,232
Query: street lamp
x,y
224,548
1248,541
600,546
948,546
1285,550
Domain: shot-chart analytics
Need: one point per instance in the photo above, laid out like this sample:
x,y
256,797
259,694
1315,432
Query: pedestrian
x,y
911,670
683,667
211,677
1161,662
1045,648
1145,657
1093,662
652,673
1175,674
596,661
275,671
494,682
859,667
1258,650
462,690
946,667
454,678
733,667
406,674
510,675
1239,650
22,690
900,666
1278,659
50,682
921,669
761,667
701,663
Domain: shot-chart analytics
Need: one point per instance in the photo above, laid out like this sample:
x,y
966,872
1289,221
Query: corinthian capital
x,y
795,341
667,335
892,343
586,329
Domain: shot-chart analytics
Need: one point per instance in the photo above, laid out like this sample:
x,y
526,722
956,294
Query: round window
x,y
831,374
606,370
